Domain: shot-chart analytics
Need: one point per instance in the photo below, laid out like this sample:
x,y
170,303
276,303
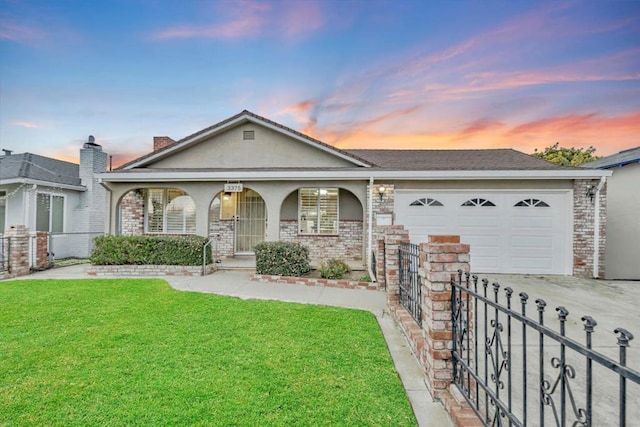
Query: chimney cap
x,y
7,152
91,143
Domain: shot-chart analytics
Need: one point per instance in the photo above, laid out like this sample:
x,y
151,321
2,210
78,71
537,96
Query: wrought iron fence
x,y
410,286
514,370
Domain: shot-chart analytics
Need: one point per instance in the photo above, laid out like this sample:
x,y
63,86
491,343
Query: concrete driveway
x,y
612,304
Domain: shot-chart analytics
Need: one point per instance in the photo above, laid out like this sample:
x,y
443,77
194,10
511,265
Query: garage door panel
x,y
504,238
478,221
528,222
530,242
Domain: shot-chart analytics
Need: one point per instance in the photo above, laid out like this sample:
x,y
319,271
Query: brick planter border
x,y
310,281
148,270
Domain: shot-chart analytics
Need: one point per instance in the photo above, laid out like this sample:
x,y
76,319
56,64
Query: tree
x,y
567,156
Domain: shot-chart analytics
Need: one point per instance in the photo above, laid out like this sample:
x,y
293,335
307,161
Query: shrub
x,y
282,259
334,268
149,250
364,278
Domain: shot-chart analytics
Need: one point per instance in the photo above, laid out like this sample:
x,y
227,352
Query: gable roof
x,y
477,160
619,159
240,118
28,166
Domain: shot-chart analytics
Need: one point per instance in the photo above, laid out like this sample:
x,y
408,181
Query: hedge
x,y
149,250
282,259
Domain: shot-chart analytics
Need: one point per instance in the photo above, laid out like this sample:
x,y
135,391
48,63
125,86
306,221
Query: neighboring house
x,y
249,179
623,213
54,196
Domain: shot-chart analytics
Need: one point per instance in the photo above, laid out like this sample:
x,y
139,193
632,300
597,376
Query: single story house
x,y
247,179
54,196
622,259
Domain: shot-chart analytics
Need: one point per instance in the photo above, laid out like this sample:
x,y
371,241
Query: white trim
x,y
43,183
365,174
228,125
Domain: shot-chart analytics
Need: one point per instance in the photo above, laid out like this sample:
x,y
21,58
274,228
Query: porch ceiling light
x,y
381,191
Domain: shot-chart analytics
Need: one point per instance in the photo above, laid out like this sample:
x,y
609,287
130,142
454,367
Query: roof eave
x,y
29,181
462,175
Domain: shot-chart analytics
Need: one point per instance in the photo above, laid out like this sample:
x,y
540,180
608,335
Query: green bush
x,y
282,259
334,268
149,250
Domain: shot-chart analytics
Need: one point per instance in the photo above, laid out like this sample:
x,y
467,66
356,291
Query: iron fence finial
x,y
589,323
624,336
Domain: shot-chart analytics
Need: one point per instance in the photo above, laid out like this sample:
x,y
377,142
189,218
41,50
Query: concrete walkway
x,y
236,283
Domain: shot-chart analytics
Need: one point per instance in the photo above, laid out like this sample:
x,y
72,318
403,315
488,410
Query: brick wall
x,y
41,256
223,236
432,343
583,229
148,270
346,245
132,214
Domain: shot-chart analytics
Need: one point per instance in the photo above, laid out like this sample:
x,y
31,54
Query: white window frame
x,y
317,230
64,209
165,205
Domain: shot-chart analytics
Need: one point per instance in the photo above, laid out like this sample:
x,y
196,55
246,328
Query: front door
x,y
251,217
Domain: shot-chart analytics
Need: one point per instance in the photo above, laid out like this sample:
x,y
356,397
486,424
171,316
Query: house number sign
x,y
233,188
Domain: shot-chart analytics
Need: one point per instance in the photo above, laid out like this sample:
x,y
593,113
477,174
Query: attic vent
x,y
248,135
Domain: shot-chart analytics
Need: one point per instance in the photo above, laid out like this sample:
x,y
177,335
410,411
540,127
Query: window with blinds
x,y
170,211
318,210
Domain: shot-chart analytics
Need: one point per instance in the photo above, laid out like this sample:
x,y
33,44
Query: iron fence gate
x,y
410,289
496,349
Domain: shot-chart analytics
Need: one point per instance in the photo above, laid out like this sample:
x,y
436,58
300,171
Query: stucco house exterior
x,y
247,179
623,213
49,195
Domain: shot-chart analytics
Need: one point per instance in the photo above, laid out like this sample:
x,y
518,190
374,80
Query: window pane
x,y
308,210
328,203
42,212
57,214
155,198
181,213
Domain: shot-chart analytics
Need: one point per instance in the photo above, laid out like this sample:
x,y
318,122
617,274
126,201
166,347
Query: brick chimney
x,y
159,142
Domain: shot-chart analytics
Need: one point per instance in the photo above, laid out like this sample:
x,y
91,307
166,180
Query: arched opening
x,y
327,220
237,222
156,211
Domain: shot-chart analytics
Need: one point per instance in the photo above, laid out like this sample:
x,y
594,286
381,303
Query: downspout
x,y
596,229
370,234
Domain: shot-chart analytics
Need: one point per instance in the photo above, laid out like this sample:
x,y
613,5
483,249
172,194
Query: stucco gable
x,y
226,145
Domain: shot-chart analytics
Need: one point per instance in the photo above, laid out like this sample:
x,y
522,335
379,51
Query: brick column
x,y
18,237
393,236
380,264
41,255
441,257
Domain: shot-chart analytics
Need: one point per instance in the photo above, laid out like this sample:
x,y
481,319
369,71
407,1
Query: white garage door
x,y
509,232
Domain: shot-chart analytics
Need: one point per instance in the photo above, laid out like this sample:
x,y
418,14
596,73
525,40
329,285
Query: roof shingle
x,y
39,168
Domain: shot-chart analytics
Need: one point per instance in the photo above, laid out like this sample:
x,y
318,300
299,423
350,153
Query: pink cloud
x,y
24,124
21,33
249,19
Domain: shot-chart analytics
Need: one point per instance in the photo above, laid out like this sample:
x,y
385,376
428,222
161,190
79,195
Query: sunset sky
x,y
355,74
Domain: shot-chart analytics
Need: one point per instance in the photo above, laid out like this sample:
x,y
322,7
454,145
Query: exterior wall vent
x,y
248,135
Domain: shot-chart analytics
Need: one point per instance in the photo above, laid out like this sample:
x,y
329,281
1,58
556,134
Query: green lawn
x,y
136,352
